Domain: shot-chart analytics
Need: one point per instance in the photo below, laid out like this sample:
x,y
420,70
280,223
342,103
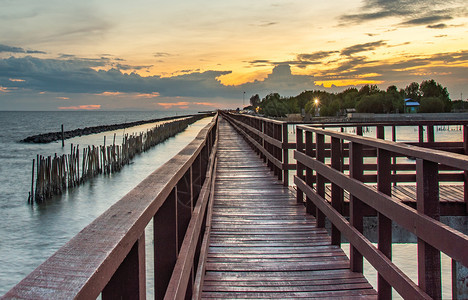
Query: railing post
x,y
300,167
380,132
394,159
278,153
184,206
165,244
285,155
319,179
336,190
359,130
196,175
129,281
421,134
384,185
465,148
430,133
356,206
310,206
268,145
427,186
262,123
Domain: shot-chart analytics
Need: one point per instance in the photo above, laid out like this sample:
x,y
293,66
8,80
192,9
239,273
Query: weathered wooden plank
x,y
262,243
345,294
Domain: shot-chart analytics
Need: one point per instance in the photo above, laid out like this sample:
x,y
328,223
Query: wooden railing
x,y
108,256
351,163
271,140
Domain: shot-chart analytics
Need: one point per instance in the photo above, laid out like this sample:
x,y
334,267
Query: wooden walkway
x,y
263,244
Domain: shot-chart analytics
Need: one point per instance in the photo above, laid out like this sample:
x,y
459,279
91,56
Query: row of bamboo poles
x,y
55,174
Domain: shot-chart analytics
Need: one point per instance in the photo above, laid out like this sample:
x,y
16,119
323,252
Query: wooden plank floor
x,y
263,244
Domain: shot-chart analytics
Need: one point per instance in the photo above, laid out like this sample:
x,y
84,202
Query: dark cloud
x,y
77,76
405,70
363,17
67,56
259,61
362,47
413,13
6,48
426,20
315,56
267,24
161,54
437,26
129,67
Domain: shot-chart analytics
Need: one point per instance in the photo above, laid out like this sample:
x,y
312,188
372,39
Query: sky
x,y
207,54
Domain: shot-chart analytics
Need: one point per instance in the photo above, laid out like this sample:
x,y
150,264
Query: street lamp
x,y
316,102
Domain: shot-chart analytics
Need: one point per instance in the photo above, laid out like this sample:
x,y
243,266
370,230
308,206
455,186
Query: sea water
x,y
29,234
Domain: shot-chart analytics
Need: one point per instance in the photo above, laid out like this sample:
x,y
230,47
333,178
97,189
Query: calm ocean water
x,y
30,234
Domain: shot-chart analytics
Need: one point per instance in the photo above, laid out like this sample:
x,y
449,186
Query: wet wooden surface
x,y
263,244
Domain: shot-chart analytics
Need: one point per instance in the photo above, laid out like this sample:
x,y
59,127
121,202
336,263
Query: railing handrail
x,y
386,123
458,161
82,267
258,118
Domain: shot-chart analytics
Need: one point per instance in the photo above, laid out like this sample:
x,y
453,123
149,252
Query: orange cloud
x,y
81,107
176,104
110,94
132,95
3,89
16,80
151,95
63,98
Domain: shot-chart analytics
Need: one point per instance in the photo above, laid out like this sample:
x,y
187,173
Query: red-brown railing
x,y
108,256
271,139
352,163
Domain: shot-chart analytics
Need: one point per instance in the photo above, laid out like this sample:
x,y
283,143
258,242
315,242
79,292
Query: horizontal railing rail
x,y
321,157
108,256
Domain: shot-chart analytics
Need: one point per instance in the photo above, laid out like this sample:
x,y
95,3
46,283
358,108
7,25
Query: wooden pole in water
x,y
31,197
63,138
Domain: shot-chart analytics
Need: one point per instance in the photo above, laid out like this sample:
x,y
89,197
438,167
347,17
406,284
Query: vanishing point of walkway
x,y
263,244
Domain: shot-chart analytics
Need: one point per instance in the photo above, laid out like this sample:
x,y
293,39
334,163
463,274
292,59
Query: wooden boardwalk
x,y
263,244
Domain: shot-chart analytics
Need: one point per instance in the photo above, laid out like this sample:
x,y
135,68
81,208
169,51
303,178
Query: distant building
x,y
411,106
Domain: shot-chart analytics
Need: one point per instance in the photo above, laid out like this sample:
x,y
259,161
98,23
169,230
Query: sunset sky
x,y
200,55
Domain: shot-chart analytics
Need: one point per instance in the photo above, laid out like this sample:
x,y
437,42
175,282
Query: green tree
x,y
431,105
331,109
371,104
272,105
412,91
255,100
432,89
396,99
